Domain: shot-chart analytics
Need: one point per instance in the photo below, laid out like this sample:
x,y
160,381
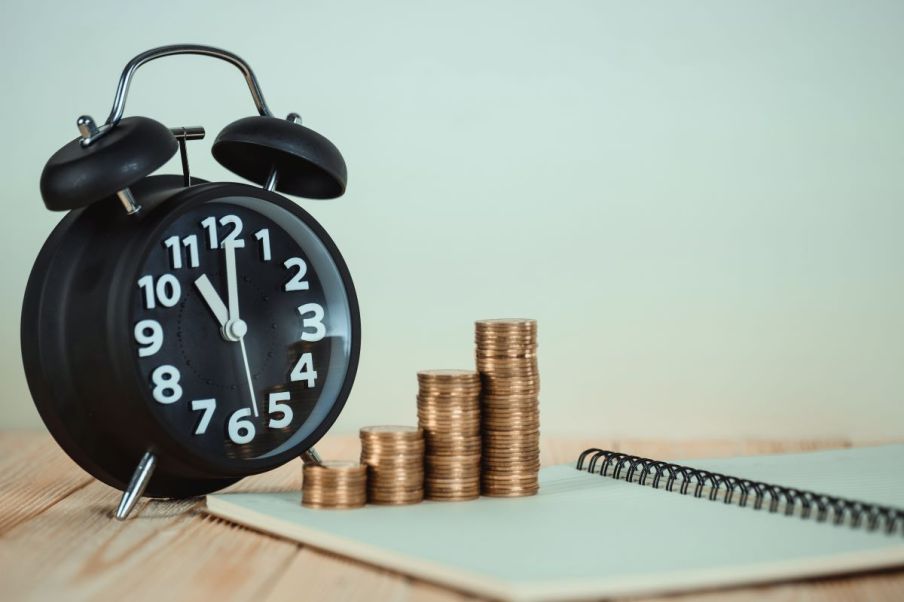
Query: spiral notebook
x,y
623,525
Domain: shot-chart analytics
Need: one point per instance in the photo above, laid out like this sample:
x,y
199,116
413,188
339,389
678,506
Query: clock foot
x,y
311,457
137,484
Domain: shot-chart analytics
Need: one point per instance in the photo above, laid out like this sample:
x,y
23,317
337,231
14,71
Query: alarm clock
x,y
179,334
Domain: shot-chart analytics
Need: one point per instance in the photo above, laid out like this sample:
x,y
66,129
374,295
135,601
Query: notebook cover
x,y
585,536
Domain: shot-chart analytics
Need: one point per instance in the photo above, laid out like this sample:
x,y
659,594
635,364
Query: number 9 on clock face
x,y
241,329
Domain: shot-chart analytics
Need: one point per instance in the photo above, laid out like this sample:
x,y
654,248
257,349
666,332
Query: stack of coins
x,y
334,485
448,410
394,456
510,409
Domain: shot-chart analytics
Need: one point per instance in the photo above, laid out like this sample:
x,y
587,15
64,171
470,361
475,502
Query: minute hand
x,y
232,292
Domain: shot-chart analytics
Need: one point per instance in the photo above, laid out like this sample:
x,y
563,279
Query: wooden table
x,y
58,542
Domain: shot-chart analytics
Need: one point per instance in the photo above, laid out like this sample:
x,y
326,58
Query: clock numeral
x,y
166,384
207,406
275,407
150,334
315,322
190,243
304,370
264,237
210,224
172,243
297,282
239,428
167,291
232,237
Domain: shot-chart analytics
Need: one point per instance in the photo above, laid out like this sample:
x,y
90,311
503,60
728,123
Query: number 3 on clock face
x,y
231,321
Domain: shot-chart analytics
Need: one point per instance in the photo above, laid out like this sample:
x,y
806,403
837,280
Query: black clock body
x,y
125,355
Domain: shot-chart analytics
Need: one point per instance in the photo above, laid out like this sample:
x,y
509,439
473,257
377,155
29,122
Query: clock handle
x,y
137,485
122,89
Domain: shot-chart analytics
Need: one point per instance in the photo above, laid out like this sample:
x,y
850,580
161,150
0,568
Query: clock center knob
x,y
234,330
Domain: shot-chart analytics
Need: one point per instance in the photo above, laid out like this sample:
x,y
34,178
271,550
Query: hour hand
x,y
210,296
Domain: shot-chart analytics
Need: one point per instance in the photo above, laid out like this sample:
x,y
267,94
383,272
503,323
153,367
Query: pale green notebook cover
x,y
586,536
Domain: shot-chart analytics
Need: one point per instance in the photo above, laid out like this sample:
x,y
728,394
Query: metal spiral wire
x,y
806,504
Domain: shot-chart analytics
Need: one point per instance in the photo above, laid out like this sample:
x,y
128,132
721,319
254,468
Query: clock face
x,y
241,329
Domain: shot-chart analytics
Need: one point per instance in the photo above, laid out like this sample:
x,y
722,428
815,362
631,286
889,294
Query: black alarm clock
x,y
178,334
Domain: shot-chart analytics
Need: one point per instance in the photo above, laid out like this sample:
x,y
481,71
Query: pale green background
x,y
701,202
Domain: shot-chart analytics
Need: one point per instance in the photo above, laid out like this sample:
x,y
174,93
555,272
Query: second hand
x,y
248,376
236,328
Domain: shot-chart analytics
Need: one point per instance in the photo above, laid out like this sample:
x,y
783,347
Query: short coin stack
x,y
448,410
334,485
510,409
394,456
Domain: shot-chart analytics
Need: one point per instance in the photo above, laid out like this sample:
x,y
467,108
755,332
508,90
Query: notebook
x,y
592,535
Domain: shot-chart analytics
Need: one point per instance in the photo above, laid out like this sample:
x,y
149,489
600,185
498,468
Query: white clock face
x,y
242,327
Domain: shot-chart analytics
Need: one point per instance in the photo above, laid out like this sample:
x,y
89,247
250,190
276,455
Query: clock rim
x,y
125,366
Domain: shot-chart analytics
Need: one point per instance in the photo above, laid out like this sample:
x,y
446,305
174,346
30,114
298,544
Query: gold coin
x,y
527,450
510,419
447,375
384,431
334,484
394,456
448,394
520,492
505,325
491,351
508,415
510,437
506,358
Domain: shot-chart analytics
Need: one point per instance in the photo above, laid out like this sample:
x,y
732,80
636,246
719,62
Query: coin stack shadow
x,y
448,410
509,406
334,485
394,456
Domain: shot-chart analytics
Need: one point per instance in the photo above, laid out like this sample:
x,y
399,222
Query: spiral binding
x,y
794,501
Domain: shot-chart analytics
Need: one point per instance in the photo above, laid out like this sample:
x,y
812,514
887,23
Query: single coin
x,y
447,375
391,431
506,323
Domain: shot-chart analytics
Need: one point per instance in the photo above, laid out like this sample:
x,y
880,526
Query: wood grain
x,y
57,540
34,475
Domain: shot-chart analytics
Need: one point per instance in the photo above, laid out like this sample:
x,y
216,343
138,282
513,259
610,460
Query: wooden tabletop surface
x,y
58,542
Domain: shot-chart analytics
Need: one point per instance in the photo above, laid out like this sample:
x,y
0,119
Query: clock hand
x,y
232,327
248,376
210,296
236,328
231,286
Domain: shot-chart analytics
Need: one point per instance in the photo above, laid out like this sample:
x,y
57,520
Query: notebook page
x,y
590,536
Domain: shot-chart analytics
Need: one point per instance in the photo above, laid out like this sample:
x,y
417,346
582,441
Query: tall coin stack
x,y
510,409
394,456
448,410
334,485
